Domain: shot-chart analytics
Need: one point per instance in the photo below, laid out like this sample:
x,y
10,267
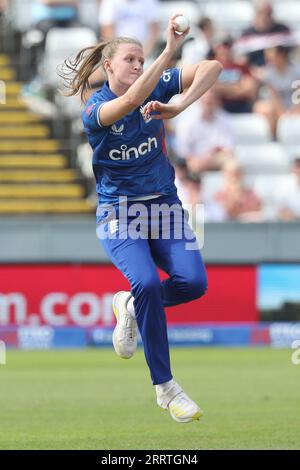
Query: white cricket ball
x,y
182,23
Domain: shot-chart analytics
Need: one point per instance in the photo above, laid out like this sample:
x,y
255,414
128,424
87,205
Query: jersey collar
x,y
106,91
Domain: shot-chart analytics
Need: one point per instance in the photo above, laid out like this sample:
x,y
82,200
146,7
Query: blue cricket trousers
x,y
138,258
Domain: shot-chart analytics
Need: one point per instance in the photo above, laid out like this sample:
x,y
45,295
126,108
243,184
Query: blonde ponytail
x,y
77,71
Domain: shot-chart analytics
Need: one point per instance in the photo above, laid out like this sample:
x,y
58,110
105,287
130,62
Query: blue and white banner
x,y
277,335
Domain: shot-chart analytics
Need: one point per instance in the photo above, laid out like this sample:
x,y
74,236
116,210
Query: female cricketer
x,y
124,125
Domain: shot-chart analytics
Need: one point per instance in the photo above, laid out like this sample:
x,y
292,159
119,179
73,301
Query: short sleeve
x,y
91,117
170,84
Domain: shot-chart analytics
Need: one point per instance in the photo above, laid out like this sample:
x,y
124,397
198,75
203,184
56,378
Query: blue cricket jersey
x,y
130,157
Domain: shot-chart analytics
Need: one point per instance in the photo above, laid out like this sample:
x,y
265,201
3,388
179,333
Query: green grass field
x,y
91,399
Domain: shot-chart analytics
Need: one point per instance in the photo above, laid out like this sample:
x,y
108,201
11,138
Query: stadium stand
x,y
35,175
269,158
19,14
62,43
251,128
288,130
229,16
288,12
44,155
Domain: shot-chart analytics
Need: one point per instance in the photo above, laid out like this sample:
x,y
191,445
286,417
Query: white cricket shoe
x,y
125,332
182,408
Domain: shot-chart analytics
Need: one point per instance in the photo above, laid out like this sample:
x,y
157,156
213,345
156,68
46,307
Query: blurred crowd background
x,y
237,149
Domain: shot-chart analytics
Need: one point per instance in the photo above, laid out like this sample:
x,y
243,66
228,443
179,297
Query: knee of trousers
x,y
147,286
194,287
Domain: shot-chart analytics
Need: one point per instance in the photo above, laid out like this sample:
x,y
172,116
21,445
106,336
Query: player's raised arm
x,y
142,87
196,79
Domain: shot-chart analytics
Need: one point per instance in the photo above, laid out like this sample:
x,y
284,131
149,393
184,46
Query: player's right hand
x,y
174,40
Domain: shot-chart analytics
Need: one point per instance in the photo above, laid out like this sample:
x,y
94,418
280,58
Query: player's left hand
x,y
161,110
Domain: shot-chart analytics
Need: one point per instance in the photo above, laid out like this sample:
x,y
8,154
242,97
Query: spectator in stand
x,y
264,30
289,198
198,48
238,201
3,7
131,18
204,135
278,75
237,88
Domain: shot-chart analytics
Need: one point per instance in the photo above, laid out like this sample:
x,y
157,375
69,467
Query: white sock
x,y
165,386
130,307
